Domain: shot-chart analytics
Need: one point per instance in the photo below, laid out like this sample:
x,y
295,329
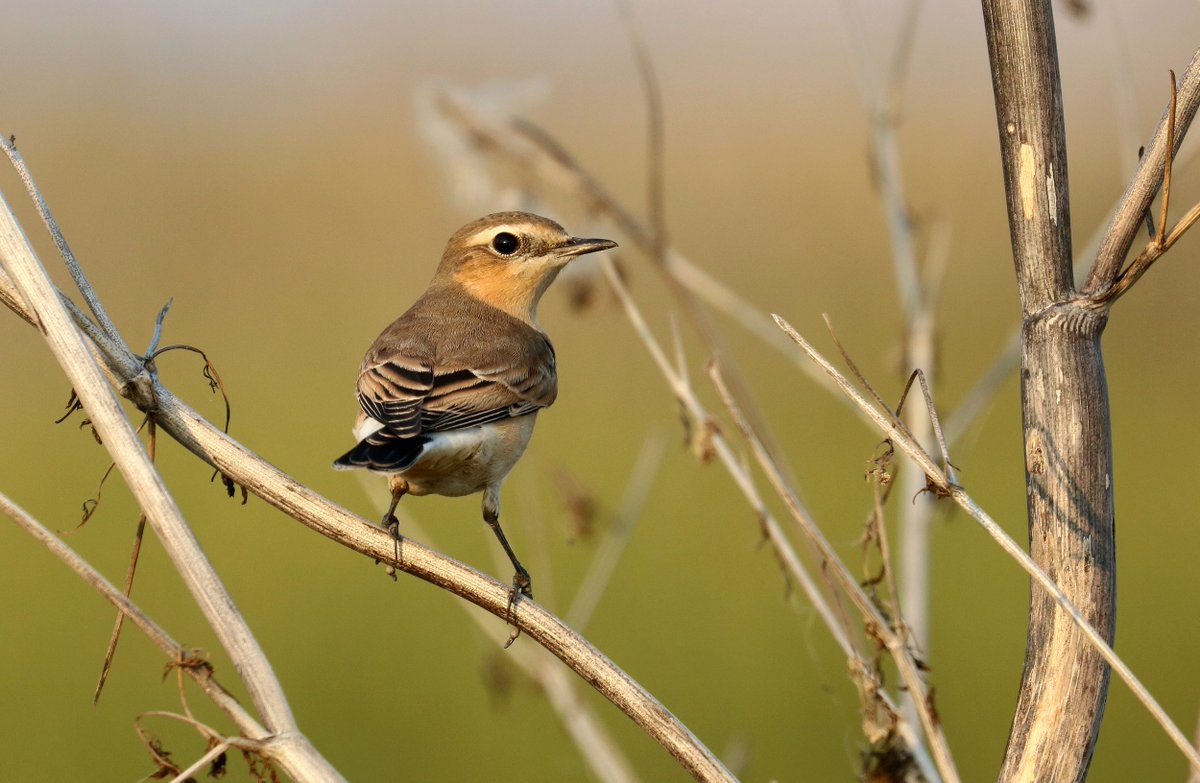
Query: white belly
x,y
463,462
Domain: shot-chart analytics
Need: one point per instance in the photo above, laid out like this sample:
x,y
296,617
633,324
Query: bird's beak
x,y
577,247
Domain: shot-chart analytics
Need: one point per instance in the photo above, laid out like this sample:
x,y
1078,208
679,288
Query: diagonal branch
x,y
60,241
887,424
1130,214
244,721
70,348
834,570
284,492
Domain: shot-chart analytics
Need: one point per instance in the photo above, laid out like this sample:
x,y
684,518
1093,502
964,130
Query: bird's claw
x,y
522,588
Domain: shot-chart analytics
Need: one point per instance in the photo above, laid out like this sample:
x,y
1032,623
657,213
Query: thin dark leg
x,y
399,488
521,580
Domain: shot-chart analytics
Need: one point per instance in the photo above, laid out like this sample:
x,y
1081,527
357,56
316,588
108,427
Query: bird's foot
x,y
393,528
522,588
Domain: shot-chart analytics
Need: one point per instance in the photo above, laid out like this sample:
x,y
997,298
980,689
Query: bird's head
x,y
508,259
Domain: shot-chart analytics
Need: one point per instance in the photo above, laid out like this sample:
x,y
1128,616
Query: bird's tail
x,y
382,451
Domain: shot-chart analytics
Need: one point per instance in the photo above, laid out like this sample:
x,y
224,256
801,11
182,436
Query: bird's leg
x,y
522,584
399,487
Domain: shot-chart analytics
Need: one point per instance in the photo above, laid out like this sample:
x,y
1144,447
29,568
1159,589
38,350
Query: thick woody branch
x,y
1068,441
1033,150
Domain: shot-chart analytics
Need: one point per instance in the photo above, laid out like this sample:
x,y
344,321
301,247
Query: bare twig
x,y
878,625
70,348
244,721
43,209
186,774
1127,218
158,328
939,478
1169,157
286,493
129,574
785,553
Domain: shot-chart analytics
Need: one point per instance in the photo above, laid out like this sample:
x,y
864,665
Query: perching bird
x,y
450,391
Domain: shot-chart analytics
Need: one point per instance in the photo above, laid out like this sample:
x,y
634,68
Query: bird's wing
x,y
410,397
393,390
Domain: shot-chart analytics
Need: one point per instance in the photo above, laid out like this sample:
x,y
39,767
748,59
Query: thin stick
x,y
785,553
1014,550
73,354
158,327
892,641
201,763
1128,216
129,574
244,721
89,294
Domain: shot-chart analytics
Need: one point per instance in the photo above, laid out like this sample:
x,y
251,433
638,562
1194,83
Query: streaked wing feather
x,y
410,397
393,392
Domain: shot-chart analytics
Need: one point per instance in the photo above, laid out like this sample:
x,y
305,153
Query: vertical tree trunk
x,y
1068,442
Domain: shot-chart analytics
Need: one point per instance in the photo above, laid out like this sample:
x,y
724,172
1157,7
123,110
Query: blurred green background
x,y
261,163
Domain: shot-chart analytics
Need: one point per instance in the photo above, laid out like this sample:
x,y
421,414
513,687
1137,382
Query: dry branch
x,y
69,346
248,470
893,429
1127,219
937,763
1068,440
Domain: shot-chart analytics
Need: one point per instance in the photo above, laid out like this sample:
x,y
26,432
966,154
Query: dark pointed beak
x,y
577,247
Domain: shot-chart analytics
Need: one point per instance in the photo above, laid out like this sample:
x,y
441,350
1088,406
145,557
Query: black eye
x,y
505,243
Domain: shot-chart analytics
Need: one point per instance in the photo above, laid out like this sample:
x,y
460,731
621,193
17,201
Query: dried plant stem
x,y
879,626
1127,218
282,491
244,721
69,347
200,763
43,209
933,769
938,478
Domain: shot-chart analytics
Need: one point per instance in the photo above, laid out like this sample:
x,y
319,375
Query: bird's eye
x,y
505,243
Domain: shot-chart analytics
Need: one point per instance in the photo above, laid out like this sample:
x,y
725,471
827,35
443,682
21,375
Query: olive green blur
x,y
263,167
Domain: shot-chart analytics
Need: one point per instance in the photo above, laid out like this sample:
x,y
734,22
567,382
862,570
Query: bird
x,y
449,392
